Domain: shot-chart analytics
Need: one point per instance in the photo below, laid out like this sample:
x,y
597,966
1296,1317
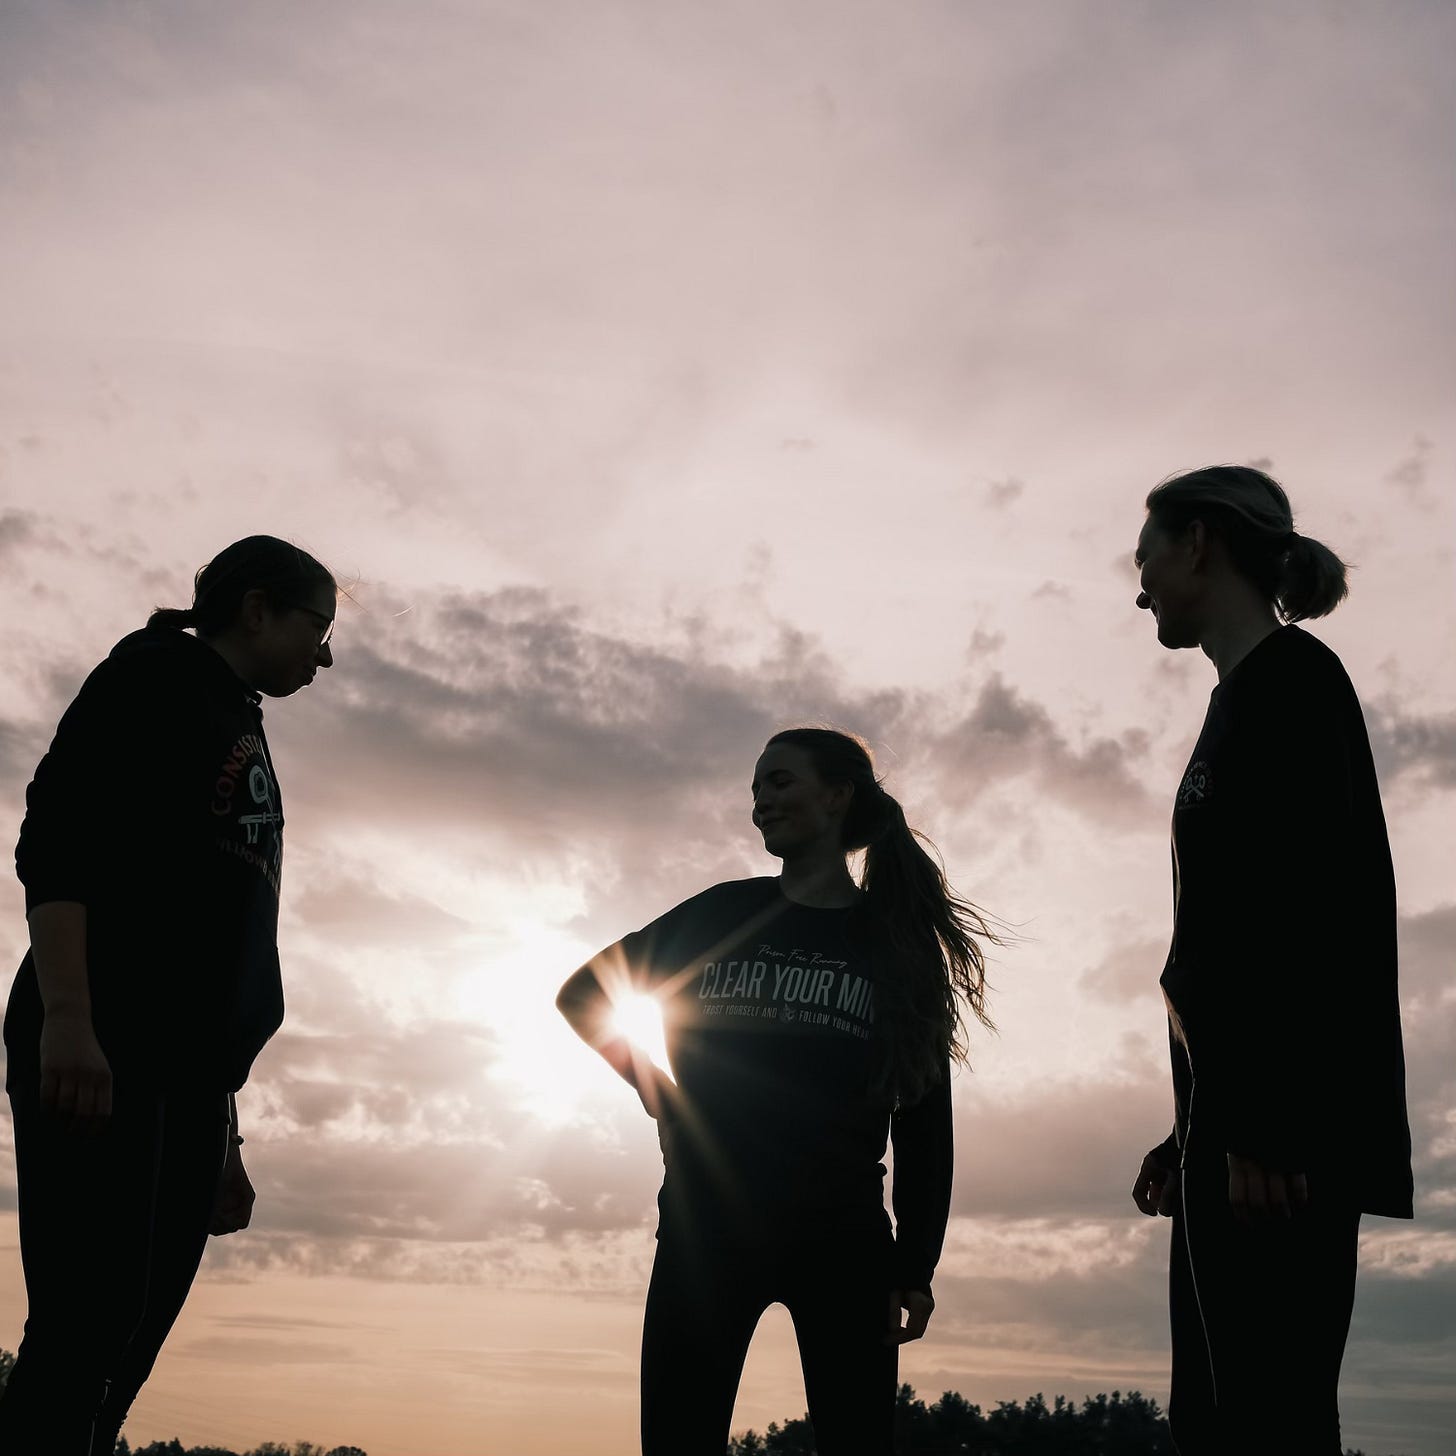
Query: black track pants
x,y
702,1306
112,1229
1259,1320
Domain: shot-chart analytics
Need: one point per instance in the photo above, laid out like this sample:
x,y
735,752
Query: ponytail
x,y
1312,580
1249,511
178,617
933,937
929,936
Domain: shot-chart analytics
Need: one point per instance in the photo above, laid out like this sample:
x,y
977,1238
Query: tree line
x,y
1103,1425
268,1448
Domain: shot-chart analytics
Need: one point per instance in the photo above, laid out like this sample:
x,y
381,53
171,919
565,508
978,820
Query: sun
x,y
510,989
639,1018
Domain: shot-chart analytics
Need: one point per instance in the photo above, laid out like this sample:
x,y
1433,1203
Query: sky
x,y
655,377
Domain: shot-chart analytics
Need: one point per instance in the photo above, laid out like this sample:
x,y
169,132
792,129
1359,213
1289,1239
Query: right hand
x,y
75,1077
1156,1189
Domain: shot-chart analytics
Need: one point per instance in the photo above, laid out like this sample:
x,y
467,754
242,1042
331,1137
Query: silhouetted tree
x,y
268,1448
1104,1425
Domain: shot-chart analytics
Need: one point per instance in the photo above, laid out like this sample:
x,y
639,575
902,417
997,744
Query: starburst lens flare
x,y
639,1019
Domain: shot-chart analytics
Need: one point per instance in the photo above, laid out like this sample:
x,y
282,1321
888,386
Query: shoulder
x,y
162,652
157,659
727,900
1299,719
146,690
1292,647
758,890
712,912
1295,670
116,676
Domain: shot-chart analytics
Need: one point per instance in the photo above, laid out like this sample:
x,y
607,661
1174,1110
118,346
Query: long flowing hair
x,y
1250,513
929,935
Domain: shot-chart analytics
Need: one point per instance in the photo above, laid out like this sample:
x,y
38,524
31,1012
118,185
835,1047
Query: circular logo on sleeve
x,y
1197,785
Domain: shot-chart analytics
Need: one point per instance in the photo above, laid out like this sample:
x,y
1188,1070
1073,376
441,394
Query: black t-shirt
x,y
769,1011
157,808
1281,980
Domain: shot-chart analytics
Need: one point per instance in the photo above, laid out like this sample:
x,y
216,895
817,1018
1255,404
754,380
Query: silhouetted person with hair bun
x,y
1288,1072
807,1018
150,854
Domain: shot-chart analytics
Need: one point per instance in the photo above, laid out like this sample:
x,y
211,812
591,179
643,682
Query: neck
x,y
820,879
1239,625
232,652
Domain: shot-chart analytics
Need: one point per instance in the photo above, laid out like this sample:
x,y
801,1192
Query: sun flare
x,y
639,1019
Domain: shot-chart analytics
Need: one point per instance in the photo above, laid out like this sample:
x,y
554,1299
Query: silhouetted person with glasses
x,y
1288,1072
150,854
806,1018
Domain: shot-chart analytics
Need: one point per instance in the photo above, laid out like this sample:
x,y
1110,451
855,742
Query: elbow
x,y
576,995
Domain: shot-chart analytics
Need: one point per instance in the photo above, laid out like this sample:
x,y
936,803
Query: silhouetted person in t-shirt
x,y
1288,1073
150,854
806,1018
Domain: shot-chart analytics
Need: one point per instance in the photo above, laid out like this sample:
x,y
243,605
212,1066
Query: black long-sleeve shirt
x,y
769,1017
1281,980
156,808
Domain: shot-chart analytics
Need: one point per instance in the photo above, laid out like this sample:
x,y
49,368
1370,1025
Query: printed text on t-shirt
x,y
791,986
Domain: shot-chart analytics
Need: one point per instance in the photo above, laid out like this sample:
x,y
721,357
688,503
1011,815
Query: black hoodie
x,y
1281,982
157,808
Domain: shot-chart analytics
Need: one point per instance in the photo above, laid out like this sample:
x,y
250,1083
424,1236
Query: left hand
x,y
918,1307
234,1207
1259,1195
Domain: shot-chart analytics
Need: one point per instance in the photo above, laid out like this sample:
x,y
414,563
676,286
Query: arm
x,y
233,1209
55,860
1156,1189
120,716
75,1078
1275,1082
587,1007
923,1139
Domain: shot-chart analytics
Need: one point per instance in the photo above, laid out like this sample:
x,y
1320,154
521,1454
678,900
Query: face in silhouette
x,y
798,814
287,641
1170,581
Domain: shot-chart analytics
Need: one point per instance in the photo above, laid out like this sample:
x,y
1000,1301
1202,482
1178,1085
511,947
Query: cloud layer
x,y
658,378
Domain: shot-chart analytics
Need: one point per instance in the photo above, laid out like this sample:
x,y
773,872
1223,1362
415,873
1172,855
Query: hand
x,y
75,1077
1156,1189
1258,1194
918,1307
234,1207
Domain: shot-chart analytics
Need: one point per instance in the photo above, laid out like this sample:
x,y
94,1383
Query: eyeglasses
x,y
327,622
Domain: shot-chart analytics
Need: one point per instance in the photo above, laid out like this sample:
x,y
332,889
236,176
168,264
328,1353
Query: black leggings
x,y
1259,1320
703,1304
112,1229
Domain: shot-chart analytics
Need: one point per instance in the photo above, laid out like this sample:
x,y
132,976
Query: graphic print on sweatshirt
x,y
788,986
245,795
